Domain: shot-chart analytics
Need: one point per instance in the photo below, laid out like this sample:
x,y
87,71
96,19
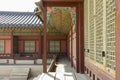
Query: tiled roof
x,y
19,19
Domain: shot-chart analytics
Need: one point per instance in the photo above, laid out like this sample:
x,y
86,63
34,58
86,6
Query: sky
x,y
18,5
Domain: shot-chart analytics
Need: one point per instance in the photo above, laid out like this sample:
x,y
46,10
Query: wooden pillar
x,y
68,47
45,42
80,38
39,53
12,45
42,46
117,39
72,46
81,67
77,37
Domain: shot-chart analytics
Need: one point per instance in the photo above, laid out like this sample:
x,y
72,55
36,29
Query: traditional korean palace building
x,y
21,38
20,34
85,31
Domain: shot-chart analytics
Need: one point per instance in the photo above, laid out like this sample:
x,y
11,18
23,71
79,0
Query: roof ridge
x,y
17,12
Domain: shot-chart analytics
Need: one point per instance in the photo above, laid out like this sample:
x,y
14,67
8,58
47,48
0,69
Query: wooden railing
x,y
6,56
19,56
57,53
52,65
26,56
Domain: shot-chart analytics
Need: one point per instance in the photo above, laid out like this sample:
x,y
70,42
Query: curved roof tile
x,y
19,19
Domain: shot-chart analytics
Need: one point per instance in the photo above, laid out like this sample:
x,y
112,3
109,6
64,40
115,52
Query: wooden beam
x,y
72,2
61,4
117,39
61,0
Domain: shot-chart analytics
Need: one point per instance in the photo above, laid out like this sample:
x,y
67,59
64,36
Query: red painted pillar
x,y
77,36
40,46
44,42
80,38
12,37
81,59
117,39
72,46
68,47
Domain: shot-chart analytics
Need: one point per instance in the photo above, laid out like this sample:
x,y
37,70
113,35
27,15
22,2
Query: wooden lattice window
x,y
54,46
99,31
2,46
86,32
91,28
110,34
29,46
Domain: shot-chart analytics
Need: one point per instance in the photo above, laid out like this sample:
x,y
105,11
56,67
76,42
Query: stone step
x,y
24,61
3,78
19,74
18,77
